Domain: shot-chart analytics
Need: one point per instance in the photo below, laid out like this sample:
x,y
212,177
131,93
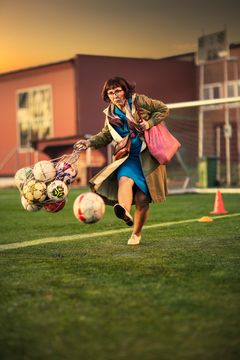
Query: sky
x,y
37,32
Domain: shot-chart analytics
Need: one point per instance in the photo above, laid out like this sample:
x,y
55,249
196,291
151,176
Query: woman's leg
x,y
125,192
125,197
142,210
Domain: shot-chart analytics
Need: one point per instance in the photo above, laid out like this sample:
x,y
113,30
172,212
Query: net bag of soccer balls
x,y
46,184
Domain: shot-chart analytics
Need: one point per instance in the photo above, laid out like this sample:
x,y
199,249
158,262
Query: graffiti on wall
x,y
34,114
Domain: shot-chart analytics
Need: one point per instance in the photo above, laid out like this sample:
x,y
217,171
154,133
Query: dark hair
x,y
129,89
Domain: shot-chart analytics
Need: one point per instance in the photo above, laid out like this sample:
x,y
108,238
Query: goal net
x,y
209,133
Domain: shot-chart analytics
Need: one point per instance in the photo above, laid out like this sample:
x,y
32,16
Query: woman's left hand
x,y
144,125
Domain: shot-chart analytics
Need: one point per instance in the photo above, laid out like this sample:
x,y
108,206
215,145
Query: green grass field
x,y
92,297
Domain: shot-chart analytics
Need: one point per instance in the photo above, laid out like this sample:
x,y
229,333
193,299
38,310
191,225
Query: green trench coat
x,y
105,182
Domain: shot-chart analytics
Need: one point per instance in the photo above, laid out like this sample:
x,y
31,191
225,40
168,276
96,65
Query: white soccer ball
x,y
35,191
88,208
66,172
44,171
22,176
30,206
57,190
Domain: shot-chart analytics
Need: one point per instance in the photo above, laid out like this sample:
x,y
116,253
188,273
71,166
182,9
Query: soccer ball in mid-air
x,y
57,190
88,208
22,176
30,206
44,171
66,172
54,206
35,191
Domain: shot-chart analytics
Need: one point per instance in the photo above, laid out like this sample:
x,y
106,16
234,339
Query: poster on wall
x,y
34,114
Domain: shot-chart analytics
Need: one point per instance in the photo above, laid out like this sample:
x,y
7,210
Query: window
x,y
230,90
212,91
34,114
206,93
216,92
233,90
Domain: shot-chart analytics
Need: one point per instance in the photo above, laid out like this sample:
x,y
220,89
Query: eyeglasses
x,y
116,92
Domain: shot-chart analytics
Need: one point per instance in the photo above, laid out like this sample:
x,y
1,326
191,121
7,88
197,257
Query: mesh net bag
x,y
47,183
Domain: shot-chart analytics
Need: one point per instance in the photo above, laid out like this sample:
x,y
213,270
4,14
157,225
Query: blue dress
x,y
132,166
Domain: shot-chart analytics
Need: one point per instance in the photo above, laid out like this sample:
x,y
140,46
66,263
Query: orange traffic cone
x,y
218,205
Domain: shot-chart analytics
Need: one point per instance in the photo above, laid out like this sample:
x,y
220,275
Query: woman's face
x,y
117,96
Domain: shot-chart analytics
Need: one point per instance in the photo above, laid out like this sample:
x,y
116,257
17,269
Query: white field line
x,y
100,234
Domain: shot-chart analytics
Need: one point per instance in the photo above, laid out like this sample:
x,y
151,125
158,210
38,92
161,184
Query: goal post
x,y
209,132
198,103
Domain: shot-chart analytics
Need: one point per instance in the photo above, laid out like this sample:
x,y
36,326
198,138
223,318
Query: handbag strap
x,y
138,109
139,114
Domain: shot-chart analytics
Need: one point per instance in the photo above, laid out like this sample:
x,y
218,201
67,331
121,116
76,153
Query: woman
x,y
136,178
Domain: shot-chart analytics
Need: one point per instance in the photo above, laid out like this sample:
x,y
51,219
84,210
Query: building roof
x,y
31,68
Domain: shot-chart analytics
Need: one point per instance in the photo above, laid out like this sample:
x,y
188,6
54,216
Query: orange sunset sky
x,y
35,32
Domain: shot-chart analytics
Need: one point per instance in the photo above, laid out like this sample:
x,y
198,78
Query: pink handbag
x,y
161,144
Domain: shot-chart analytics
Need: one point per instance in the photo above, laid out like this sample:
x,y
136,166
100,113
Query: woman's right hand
x,y
82,144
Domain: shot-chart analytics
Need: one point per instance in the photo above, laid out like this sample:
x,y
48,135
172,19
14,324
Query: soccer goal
x,y
209,133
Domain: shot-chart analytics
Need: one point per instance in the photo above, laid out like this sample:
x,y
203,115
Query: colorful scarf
x,y
114,119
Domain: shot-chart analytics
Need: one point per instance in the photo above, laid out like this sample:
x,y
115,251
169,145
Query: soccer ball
x,y
35,191
44,171
21,176
66,172
88,208
54,206
57,190
30,206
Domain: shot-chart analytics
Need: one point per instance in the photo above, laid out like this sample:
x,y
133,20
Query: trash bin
x,y
207,171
